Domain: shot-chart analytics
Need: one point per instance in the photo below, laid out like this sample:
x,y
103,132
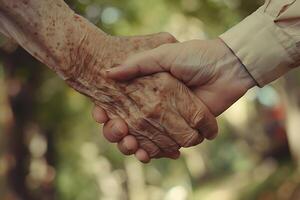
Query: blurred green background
x,y
50,148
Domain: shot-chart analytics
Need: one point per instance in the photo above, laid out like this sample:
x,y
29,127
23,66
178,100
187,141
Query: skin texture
x,y
208,68
161,113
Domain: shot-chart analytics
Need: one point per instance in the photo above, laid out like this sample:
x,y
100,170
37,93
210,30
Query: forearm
x,y
51,32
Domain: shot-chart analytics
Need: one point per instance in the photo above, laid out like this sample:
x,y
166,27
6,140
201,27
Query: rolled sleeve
x,y
267,42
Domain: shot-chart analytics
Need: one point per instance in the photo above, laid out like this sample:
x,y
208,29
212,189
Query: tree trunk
x,y
21,98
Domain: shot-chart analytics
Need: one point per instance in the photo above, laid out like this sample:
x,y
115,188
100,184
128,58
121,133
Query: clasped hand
x,y
208,68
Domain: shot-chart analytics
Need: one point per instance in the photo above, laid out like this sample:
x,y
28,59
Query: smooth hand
x,y
208,68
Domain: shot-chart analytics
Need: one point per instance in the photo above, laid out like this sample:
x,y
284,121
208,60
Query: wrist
x,y
237,72
231,80
89,48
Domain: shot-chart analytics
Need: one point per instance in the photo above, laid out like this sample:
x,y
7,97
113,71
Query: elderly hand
x,y
154,108
208,68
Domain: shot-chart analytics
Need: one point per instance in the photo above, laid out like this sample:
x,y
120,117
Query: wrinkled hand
x,y
154,108
208,68
162,114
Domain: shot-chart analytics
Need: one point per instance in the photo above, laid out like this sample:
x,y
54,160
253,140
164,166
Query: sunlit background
x,y
50,148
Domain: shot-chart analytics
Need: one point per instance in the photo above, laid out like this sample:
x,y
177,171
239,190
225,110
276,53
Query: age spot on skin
x,y
25,2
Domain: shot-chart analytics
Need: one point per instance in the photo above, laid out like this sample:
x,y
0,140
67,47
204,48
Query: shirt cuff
x,y
264,48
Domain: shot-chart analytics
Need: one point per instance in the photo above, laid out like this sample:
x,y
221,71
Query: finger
x,y
115,130
164,117
196,114
128,145
177,128
99,115
141,64
142,156
157,39
154,134
147,145
180,130
174,155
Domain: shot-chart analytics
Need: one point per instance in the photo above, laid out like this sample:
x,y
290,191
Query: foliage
x,y
64,157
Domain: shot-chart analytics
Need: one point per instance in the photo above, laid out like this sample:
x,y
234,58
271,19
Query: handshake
x,y
185,86
154,95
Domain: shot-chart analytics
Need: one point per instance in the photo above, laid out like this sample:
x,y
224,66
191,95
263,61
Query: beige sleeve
x,y
268,41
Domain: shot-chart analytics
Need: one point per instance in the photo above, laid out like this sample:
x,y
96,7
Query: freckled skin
x,y
79,52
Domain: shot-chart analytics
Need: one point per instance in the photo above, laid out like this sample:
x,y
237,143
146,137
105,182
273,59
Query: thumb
x,y
141,64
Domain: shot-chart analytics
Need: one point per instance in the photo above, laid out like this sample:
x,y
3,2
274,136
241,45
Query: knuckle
x,y
154,111
191,139
150,148
165,143
168,37
199,118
